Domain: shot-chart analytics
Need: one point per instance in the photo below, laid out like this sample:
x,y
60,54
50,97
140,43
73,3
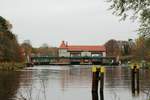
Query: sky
x,y
85,22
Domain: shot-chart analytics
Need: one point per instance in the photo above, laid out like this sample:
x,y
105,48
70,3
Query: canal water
x,y
70,83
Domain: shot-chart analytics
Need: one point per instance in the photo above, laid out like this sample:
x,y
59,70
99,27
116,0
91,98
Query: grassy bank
x,y
11,66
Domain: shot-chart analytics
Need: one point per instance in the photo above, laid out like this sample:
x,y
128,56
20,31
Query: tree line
x,y
134,50
10,50
43,50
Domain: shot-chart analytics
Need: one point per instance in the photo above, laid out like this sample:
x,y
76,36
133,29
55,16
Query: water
x,y
69,83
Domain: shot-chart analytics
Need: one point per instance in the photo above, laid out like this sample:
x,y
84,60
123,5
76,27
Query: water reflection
x,y
145,83
9,83
70,83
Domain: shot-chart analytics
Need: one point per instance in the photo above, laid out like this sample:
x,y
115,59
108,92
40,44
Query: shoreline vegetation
x,y
11,54
11,66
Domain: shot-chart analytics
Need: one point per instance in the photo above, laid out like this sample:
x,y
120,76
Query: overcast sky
x,y
76,21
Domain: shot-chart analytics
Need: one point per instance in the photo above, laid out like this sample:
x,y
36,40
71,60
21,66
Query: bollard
x,y
94,96
135,79
98,74
94,79
101,95
102,70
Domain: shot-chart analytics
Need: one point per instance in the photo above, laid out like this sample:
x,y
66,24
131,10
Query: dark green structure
x,y
73,60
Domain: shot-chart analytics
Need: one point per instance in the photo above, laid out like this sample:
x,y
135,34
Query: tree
x,y
44,45
26,45
120,49
45,50
9,47
125,48
112,48
27,48
136,9
147,46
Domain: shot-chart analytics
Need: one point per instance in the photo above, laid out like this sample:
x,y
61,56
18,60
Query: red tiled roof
x,y
82,47
86,48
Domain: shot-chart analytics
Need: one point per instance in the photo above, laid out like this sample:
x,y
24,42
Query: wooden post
x,y
94,79
102,79
102,82
98,74
94,96
102,70
101,95
133,80
137,80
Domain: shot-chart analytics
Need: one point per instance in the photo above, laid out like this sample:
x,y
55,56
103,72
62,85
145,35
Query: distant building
x,y
66,50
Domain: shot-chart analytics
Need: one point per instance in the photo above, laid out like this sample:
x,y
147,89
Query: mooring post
x,y
133,79
101,95
94,96
137,80
95,79
98,75
102,70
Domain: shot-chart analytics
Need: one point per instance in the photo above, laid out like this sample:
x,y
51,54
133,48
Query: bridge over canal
x,y
45,60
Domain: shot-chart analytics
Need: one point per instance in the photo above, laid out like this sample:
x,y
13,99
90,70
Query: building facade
x,y
66,50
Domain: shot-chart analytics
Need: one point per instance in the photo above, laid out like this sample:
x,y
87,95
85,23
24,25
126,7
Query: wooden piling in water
x,y
101,79
95,75
101,95
94,96
135,79
98,75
